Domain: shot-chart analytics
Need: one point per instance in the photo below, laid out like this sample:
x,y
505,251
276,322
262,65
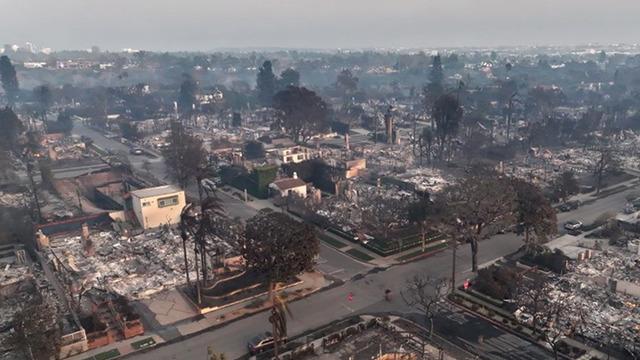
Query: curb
x,y
505,328
217,326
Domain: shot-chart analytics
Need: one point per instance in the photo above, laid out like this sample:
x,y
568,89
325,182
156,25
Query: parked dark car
x,y
570,205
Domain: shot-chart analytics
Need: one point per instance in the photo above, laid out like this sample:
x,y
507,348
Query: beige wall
x,y
72,344
300,191
150,215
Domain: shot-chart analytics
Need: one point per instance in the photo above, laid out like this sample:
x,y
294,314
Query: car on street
x,y
573,225
136,151
262,343
570,205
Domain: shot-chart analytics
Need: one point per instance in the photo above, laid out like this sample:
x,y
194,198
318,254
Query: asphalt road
x,y
590,212
324,307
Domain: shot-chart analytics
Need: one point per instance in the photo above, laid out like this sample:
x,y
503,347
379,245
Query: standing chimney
x,y
85,232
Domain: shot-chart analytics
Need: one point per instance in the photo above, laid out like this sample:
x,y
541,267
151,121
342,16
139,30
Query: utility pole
x,y
454,241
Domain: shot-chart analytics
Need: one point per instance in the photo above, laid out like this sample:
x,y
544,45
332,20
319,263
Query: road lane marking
x,y
348,308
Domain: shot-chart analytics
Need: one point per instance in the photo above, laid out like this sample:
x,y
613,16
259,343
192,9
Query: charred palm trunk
x,y
186,260
198,297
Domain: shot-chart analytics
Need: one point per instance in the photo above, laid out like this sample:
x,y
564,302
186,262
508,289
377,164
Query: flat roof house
x,y
158,206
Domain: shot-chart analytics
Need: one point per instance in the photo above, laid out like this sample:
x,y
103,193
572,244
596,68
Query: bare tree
x,y
423,293
384,214
552,316
37,332
531,296
606,161
185,155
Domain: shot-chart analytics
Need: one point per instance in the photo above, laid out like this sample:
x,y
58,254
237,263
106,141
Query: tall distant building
x,y
30,48
95,49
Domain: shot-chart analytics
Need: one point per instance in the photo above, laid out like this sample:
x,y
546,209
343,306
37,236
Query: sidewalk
x,y
593,196
117,349
310,283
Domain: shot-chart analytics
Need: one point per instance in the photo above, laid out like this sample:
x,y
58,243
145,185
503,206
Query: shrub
x,y
498,282
554,261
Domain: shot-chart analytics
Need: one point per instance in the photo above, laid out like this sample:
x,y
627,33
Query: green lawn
x,y
113,353
331,241
359,255
419,252
144,343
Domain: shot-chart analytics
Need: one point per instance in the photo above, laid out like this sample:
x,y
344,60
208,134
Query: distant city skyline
x,y
200,25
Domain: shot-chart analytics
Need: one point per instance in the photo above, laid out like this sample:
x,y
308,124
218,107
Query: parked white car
x,y
573,225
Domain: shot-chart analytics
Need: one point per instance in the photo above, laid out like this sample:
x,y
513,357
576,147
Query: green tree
x,y
480,205
346,83
129,131
447,114
565,185
300,112
65,122
185,156
266,83
435,88
253,150
46,175
536,217
419,213
187,96
11,129
278,246
289,77
43,96
436,75
9,79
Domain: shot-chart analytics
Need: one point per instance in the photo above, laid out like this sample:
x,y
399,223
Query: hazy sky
x,y
211,24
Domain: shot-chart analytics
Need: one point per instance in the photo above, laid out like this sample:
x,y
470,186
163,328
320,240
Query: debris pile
x,y
14,199
135,267
427,179
614,263
607,312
